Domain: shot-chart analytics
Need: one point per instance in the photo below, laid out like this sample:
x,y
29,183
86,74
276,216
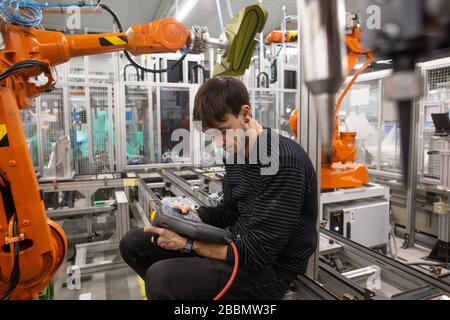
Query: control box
x,y
363,221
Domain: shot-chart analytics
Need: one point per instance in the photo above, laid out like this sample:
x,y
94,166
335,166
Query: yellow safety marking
x,y
142,286
3,131
130,182
292,36
115,40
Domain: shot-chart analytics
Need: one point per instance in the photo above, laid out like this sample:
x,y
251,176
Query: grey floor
x,y
121,284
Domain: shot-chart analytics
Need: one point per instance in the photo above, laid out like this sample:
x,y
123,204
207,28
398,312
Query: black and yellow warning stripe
x,y
291,36
113,41
4,142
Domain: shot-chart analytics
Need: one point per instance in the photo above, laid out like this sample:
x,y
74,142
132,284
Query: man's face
x,y
229,134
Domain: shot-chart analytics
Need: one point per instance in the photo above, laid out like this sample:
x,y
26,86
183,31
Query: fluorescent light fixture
x,y
384,61
186,9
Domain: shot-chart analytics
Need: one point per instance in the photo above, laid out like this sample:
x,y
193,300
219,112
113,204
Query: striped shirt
x,y
272,217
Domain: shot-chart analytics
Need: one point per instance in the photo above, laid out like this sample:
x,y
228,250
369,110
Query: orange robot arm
x,y
276,36
165,35
354,51
348,173
23,220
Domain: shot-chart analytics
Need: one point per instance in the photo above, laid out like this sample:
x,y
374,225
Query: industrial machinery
x,y
441,250
408,31
356,219
360,214
32,246
322,27
277,36
343,172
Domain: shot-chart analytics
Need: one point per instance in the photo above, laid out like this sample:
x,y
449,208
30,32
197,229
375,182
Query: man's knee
x,y
129,244
159,281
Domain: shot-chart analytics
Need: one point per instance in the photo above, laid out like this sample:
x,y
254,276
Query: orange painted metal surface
x,y
276,36
43,242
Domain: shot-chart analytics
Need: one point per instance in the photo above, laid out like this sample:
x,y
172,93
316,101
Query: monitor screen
x,y
441,122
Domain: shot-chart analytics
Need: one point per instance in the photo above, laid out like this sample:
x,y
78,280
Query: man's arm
x,y
211,250
224,214
170,240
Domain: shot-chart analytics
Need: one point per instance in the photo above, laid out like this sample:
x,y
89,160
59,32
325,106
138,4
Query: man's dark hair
x,y
218,97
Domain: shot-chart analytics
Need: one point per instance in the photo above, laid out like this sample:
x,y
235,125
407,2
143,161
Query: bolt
x,y
12,163
26,222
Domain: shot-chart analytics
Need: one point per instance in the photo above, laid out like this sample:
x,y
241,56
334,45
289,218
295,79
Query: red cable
x,y
233,274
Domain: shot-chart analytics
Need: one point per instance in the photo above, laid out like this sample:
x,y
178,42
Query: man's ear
x,y
246,113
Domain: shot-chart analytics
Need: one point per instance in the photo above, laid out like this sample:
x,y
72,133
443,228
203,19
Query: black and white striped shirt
x,y
272,217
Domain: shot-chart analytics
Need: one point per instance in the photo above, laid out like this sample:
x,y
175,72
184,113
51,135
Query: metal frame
x,y
67,116
116,114
424,102
375,76
417,141
387,264
163,58
279,100
412,180
422,130
309,138
112,244
150,87
444,219
91,183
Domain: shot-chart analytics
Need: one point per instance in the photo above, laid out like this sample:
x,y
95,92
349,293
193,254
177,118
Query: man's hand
x,y
167,239
184,208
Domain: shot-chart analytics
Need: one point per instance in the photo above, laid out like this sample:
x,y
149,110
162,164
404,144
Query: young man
x,y
272,214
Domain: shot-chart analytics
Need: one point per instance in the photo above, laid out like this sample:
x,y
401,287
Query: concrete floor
x,y
121,284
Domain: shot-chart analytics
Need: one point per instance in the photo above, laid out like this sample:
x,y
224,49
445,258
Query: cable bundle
x,y
29,13
24,12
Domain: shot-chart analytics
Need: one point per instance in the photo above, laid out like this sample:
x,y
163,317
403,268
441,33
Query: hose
x,y
233,274
15,256
127,54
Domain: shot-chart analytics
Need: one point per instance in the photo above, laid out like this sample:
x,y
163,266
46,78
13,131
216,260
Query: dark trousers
x,y
175,275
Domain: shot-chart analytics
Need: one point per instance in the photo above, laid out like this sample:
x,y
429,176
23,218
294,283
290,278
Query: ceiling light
x,y
186,9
